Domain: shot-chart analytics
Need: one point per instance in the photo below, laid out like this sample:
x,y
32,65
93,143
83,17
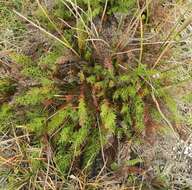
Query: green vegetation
x,y
77,80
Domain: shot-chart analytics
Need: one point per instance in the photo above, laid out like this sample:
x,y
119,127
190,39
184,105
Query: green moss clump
x,y
7,88
7,118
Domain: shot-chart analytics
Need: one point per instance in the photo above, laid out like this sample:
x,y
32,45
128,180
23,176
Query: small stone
x,y
156,76
72,177
186,151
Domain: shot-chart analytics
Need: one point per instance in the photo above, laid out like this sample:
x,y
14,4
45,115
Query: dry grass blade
x,y
103,14
174,33
46,32
47,16
132,27
162,115
13,139
78,16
